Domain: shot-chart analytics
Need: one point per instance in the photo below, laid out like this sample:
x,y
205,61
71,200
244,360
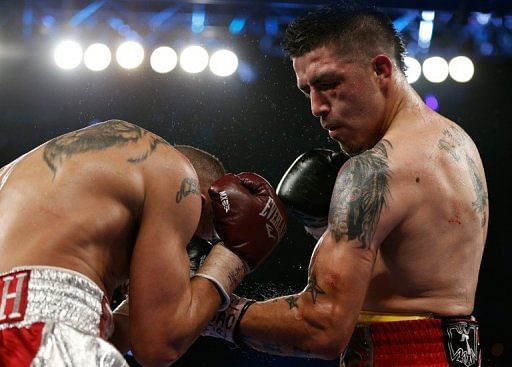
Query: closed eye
x,y
327,85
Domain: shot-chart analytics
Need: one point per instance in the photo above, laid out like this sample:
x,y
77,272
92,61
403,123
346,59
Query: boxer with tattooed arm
x,y
84,212
392,279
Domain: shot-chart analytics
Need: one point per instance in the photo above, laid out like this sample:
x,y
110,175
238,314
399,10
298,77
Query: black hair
x,y
208,167
355,28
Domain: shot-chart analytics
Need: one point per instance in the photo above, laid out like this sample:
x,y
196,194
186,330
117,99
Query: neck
x,y
404,99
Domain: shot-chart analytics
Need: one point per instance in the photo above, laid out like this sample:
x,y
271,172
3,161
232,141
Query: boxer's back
x,y
74,202
430,261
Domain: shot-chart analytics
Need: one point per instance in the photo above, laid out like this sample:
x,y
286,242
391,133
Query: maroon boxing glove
x,y
248,216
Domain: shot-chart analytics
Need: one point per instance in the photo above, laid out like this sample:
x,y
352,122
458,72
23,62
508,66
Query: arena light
x,y
68,55
435,69
223,63
461,69
163,59
198,17
413,71
432,102
428,15
97,57
425,34
129,55
194,59
483,18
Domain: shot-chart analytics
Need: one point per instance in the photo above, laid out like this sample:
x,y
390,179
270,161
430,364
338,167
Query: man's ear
x,y
383,66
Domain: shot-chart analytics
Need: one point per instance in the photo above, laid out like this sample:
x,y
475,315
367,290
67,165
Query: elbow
x,y
330,333
155,354
329,345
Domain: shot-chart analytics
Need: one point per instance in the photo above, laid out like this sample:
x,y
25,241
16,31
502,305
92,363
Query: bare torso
x,y
430,261
75,203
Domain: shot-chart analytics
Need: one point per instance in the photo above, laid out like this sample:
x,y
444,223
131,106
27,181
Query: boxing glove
x,y
248,216
307,185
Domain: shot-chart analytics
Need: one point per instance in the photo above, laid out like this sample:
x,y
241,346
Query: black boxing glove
x,y
307,185
248,216
197,250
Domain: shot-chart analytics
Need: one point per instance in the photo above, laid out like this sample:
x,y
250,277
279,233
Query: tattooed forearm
x,y
360,194
314,288
480,204
292,301
188,186
96,138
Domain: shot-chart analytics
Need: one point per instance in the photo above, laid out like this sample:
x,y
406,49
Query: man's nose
x,y
319,104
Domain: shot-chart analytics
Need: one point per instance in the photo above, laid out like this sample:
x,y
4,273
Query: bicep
x,y
361,215
159,271
362,209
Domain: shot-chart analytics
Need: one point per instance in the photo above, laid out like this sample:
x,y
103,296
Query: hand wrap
x,y
225,324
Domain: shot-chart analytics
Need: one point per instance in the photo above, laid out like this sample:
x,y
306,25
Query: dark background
x,y
261,126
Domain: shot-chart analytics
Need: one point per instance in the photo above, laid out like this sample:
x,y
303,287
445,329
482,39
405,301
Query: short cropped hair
x,y
355,28
208,167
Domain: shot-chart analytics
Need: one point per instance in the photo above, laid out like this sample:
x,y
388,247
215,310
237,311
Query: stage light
x,y
486,48
413,71
432,102
68,55
198,17
428,15
246,73
194,59
425,34
435,69
237,24
163,59
223,63
129,55
97,57
483,18
461,69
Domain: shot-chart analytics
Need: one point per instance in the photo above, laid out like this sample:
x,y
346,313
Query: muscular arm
x,y
167,309
319,321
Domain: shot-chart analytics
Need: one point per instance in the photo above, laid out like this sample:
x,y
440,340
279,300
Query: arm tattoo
x,y
235,275
96,138
292,301
360,194
188,186
314,288
453,141
480,204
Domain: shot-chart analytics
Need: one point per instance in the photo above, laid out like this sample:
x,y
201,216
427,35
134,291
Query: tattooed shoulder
x,y
455,142
452,141
96,138
360,194
481,202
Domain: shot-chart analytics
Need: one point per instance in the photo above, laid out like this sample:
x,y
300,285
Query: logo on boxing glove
x,y
224,200
275,222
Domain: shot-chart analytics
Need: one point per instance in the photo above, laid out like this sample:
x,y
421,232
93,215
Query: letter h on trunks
x,y
13,301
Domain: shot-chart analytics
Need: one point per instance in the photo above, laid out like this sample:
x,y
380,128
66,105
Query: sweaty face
x,y
344,94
